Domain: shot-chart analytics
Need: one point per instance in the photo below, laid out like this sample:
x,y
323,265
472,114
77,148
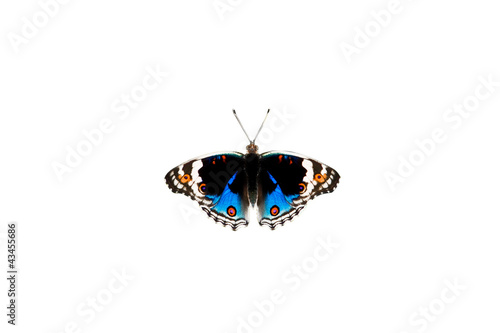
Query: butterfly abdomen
x,y
252,162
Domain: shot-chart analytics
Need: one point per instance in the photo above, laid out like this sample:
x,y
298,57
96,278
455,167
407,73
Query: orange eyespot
x,y
231,211
302,188
224,158
275,210
202,188
280,157
186,178
320,178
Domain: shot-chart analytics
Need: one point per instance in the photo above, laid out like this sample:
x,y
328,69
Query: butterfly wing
x,y
287,182
217,183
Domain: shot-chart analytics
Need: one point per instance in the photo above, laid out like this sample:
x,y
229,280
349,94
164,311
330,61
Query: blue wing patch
x,y
228,208
275,207
277,199
229,203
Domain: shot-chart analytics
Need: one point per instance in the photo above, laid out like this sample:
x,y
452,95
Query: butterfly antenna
x,y
241,125
258,132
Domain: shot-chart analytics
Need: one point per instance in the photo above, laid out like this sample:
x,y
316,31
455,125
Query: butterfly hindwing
x,y
217,183
287,182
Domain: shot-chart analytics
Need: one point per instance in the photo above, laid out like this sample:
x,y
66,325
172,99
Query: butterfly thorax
x,y
252,169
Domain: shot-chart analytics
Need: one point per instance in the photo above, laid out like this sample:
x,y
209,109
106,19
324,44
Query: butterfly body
x,y
227,185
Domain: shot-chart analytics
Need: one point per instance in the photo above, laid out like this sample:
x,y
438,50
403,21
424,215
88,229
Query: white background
x,y
113,212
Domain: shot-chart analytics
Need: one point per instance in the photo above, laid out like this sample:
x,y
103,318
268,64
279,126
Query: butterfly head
x,y
252,148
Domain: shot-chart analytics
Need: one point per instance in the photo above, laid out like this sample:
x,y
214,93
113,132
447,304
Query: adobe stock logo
x,y
453,117
122,107
31,27
426,315
278,121
379,20
222,7
95,305
293,278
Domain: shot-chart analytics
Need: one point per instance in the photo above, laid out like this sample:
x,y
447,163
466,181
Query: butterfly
x,y
278,183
